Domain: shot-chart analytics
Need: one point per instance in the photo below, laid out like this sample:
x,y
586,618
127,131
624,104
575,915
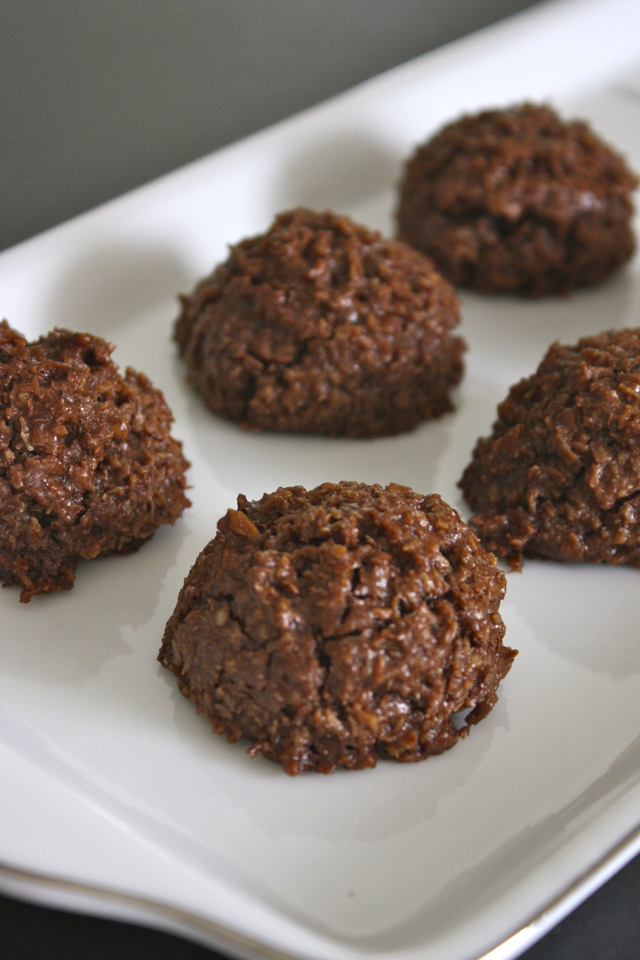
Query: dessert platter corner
x,y
117,798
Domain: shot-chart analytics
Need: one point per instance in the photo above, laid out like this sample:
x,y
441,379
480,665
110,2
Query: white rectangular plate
x,y
111,782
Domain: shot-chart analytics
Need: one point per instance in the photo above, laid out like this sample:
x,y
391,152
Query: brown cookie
x,y
559,477
519,201
87,463
321,326
341,625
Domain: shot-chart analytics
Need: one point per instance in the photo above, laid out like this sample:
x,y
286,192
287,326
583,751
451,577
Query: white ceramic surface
x,y
110,780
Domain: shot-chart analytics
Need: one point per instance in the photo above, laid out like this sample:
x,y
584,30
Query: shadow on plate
x,y
66,639
254,463
587,613
111,285
337,173
347,806
518,331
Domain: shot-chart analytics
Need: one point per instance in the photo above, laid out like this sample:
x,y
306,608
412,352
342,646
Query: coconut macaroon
x,y
559,477
322,326
87,462
341,625
519,201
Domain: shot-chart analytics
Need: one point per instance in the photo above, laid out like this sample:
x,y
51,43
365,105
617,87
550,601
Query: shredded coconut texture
x,y
322,326
559,477
341,625
519,201
87,463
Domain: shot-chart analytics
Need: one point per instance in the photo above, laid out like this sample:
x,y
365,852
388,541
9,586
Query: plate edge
x,y
152,912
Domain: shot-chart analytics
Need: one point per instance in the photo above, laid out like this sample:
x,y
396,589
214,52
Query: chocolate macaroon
x,y
322,326
337,626
559,477
519,201
87,463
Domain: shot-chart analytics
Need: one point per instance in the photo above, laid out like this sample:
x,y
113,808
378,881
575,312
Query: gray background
x,y
98,96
